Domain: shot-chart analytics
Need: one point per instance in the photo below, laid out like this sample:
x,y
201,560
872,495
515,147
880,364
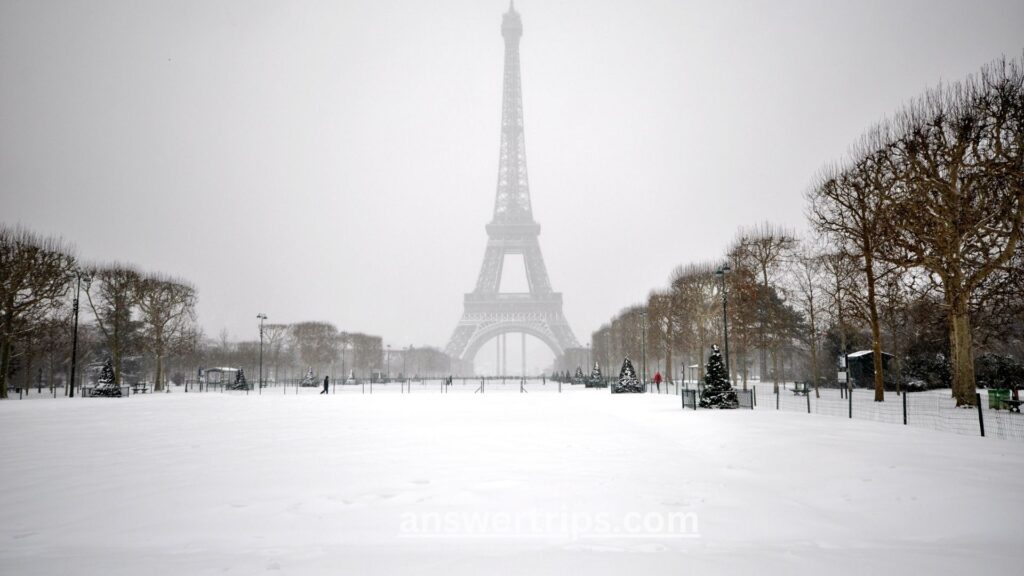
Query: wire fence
x,y
995,414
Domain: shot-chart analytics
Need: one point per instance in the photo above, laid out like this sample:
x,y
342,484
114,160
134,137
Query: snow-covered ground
x,y
581,483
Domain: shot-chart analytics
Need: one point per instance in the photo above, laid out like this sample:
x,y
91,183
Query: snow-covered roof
x,y
860,353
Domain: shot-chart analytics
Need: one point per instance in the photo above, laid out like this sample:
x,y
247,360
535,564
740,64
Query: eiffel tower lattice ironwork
x,y
488,312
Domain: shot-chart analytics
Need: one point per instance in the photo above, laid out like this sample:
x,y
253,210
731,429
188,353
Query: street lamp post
x,y
74,338
259,384
721,272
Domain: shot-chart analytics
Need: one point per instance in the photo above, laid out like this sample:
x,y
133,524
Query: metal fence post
x,y
808,395
904,407
754,394
981,419
849,398
777,395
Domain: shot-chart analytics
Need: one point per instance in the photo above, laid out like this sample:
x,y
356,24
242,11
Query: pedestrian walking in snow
x,y
657,380
327,382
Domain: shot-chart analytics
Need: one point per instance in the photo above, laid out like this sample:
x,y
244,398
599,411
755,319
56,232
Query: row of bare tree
x,y
916,249
143,321
41,284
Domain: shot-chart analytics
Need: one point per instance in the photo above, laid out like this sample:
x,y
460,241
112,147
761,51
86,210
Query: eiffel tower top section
x,y
512,201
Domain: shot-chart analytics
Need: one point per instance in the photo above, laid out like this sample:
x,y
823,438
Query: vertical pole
x,y
904,407
849,384
74,339
981,419
753,393
807,393
777,395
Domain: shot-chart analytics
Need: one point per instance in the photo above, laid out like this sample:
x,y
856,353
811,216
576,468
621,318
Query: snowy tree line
x,y
914,249
132,317
146,325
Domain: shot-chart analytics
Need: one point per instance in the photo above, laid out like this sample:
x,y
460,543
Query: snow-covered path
x,y
583,483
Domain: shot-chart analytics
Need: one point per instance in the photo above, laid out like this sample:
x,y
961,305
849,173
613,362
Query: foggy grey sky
x,y
337,160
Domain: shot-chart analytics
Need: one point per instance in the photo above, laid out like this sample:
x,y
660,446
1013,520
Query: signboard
x,y
842,376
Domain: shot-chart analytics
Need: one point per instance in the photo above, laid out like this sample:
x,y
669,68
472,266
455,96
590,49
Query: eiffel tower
x,y
489,313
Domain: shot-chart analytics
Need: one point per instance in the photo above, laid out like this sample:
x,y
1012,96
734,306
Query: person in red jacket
x,y
657,380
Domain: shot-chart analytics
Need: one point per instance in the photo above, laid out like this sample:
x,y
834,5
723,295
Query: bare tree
x,y
765,248
851,206
112,292
167,307
35,273
274,337
316,343
696,309
659,328
959,196
808,279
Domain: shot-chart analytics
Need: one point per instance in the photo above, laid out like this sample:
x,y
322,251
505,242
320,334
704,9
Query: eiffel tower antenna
x,y
488,313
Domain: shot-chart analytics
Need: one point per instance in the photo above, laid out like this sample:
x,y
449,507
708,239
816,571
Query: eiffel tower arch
x,y
489,313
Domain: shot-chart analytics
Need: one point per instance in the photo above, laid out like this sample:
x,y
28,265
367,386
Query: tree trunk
x,y
743,359
668,350
961,348
876,337
158,384
5,364
115,353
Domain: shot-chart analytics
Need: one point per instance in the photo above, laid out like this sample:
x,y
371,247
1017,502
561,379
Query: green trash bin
x,y
996,397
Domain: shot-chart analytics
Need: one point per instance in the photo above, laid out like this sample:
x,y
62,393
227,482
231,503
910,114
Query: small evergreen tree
x,y
578,378
628,382
240,383
718,392
107,384
596,380
308,381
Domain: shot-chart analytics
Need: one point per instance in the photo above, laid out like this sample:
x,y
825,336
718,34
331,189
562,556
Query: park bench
x,y
1012,405
140,388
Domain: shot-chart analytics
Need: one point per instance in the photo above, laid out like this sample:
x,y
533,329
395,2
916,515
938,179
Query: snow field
x,y
500,483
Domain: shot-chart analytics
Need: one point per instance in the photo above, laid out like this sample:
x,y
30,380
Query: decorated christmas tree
x,y
240,383
718,392
596,380
579,378
107,385
308,381
628,382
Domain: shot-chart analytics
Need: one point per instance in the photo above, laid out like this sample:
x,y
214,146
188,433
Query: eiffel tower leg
x,y
524,354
